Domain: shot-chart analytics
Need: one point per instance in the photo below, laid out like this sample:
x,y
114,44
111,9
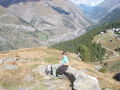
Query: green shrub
x,y
97,52
103,70
84,53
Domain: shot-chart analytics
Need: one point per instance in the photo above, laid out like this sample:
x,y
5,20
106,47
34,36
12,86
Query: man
x,y
64,64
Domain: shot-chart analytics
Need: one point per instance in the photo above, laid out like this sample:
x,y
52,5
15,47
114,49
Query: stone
x,y
29,78
98,67
40,69
9,59
85,82
9,67
81,81
108,89
78,78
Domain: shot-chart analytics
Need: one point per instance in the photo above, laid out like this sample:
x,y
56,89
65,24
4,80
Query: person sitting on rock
x,y
64,64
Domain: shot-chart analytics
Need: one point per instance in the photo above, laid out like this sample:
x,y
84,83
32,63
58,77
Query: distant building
x,y
114,29
101,32
117,30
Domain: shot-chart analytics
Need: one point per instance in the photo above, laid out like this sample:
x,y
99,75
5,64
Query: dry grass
x,y
105,41
31,58
106,78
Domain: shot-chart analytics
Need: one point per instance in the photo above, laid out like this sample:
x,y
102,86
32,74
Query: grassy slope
x,y
113,61
31,58
72,45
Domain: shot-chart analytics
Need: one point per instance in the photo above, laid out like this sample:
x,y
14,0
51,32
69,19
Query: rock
x,y
98,67
81,80
40,69
84,70
78,78
9,67
9,59
85,82
29,78
108,89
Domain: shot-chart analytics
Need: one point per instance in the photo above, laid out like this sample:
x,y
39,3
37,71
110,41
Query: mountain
x,y
107,7
86,9
103,9
114,15
32,23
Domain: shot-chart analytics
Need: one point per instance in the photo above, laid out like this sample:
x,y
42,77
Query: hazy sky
x,y
88,2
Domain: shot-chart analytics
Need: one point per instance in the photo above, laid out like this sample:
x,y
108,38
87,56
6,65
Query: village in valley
x,y
115,33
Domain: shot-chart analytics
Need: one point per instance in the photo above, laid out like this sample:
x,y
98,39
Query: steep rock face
x,y
41,22
103,9
112,16
13,33
51,17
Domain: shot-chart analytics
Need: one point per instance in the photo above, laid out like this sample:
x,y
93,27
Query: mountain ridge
x,y
103,9
44,22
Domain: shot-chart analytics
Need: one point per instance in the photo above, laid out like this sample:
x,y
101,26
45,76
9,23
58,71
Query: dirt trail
x,y
115,53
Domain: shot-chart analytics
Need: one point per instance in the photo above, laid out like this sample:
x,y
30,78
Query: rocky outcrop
x,y
79,80
9,67
29,78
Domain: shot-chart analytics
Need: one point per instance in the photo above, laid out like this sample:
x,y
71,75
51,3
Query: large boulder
x,y
9,67
81,81
29,78
78,78
85,82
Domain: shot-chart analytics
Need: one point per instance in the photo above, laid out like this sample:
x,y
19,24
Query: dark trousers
x,y
61,70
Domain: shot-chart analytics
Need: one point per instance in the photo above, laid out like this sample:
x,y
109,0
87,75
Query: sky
x,y
88,2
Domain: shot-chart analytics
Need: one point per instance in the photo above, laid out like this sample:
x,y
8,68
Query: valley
x,y
39,23
110,41
33,34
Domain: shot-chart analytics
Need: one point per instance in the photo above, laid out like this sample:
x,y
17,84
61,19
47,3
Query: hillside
x,y
92,51
39,23
112,16
86,40
28,59
112,55
104,10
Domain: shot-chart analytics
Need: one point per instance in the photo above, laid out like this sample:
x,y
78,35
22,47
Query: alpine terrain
x,y
54,45
33,23
104,10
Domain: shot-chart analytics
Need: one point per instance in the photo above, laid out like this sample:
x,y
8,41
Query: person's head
x,y
64,53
